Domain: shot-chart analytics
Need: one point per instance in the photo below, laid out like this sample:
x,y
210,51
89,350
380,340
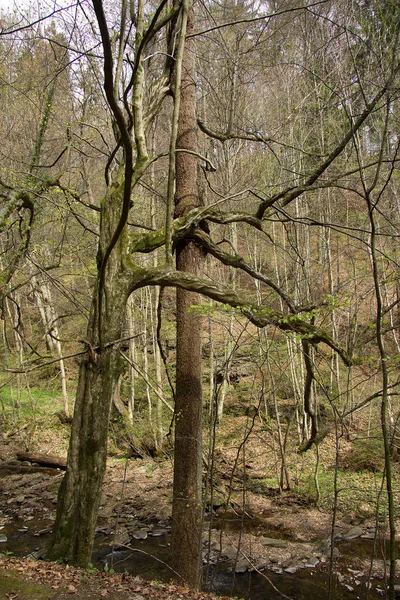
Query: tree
x,y
136,90
187,506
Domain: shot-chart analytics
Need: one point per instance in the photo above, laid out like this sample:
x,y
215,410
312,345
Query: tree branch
x,y
258,315
238,263
291,193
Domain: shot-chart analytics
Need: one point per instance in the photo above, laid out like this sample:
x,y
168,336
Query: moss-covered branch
x,y
237,262
185,227
258,315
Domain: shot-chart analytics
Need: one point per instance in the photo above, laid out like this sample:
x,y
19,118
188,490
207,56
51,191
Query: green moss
x,y
12,582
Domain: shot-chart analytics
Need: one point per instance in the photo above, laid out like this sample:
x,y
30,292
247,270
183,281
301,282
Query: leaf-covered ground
x,y
25,579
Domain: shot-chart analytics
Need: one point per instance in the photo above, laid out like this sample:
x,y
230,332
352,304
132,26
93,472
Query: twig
x,y
258,570
54,360
158,560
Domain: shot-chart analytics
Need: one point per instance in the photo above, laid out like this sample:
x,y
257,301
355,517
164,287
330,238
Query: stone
x,y
242,566
230,552
3,538
38,554
353,533
140,534
292,569
277,570
122,538
312,562
43,532
158,532
105,512
364,510
274,542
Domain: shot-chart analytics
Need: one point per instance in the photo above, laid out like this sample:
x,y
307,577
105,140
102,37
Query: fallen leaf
x,y
72,589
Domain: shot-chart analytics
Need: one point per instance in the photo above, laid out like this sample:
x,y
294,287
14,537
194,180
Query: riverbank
x,y
256,538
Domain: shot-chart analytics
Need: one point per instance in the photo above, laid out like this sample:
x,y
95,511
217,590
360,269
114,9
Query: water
x,y
149,559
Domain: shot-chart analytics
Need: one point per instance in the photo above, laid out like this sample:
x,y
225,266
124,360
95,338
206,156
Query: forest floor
x,y
249,526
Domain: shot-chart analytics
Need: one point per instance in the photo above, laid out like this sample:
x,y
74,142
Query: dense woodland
x,y
199,218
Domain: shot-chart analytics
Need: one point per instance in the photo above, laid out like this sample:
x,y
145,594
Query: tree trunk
x,y
187,499
80,491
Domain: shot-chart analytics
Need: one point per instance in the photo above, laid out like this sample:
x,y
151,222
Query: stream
x,y
141,546
149,558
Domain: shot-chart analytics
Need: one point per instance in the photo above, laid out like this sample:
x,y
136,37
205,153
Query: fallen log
x,y
45,460
6,469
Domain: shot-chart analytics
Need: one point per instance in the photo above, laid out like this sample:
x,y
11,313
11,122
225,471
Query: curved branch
x,y
238,263
258,315
184,227
125,140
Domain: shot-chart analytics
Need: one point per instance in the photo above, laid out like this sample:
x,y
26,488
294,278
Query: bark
x,y
80,491
99,371
187,499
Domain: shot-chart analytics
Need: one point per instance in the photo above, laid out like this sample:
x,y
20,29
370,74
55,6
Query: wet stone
x,y
292,569
277,570
158,532
140,534
43,532
242,566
